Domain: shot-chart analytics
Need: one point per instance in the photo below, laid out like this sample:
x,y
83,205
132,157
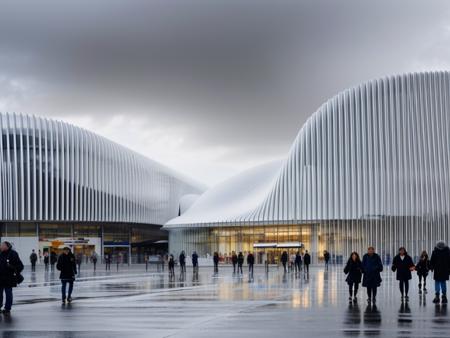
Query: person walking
x,y
422,268
440,265
94,259
108,262
33,260
307,261
250,262
10,268
240,262
372,268
216,262
284,259
195,261
171,265
46,260
353,270
298,262
53,260
403,265
234,260
78,260
68,269
182,260
326,257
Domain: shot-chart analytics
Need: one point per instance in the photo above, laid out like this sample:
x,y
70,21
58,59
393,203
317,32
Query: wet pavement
x,y
136,303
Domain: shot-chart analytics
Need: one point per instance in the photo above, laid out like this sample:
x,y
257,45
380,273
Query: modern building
x,y
63,185
369,167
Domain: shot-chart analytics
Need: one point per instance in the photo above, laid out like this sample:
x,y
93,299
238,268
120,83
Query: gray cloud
x,y
232,81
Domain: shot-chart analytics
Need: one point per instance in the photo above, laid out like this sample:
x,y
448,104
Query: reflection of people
x,y
10,268
422,268
403,264
372,267
353,269
66,264
440,265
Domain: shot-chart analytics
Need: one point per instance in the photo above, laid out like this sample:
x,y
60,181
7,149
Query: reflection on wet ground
x,y
138,303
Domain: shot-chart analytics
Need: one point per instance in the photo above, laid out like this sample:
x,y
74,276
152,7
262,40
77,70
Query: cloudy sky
x,y
207,87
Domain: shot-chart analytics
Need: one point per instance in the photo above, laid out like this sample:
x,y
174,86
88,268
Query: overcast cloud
x,y
207,87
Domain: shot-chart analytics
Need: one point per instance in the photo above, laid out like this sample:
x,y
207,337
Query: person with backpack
x,y
68,269
10,268
33,260
440,265
240,262
403,265
353,270
422,268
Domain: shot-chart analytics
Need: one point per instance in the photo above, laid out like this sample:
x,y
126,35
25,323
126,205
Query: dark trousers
x,y
8,296
307,268
64,283
234,267
183,268
372,292
404,287
33,267
240,268
250,269
352,289
298,266
216,267
108,266
424,281
284,266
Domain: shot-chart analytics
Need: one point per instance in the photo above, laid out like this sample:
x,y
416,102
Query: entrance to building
x,y
271,252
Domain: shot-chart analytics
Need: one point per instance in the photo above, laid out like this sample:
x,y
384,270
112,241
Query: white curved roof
x,y
231,199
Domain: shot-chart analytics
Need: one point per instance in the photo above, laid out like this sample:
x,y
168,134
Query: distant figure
x,y
372,267
66,264
182,260
46,260
291,262
108,262
353,269
440,265
250,262
10,268
234,260
33,260
298,262
284,259
240,262
326,257
94,259
195,261
307,261
403,264
40,256
53,260
78,260
422,268
171,265
216,262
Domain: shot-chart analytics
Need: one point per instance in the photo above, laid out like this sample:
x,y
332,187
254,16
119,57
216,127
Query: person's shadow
x,y
372,320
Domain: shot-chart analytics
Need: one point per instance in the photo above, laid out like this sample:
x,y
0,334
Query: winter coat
x,y
440,262
10,267
423,266
284,257
234,259
33,258
250,259
371,266
66,264
353,269
240,259
403,267
326,256
307,259
182,259
194,259
298,259
216,259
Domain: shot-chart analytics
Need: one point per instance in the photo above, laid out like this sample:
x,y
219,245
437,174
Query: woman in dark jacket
x,y
10,268
403,265
353,269
67,265
372,268
422,268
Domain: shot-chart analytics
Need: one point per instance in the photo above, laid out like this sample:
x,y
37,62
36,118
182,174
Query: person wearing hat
x,y
10,268
67,265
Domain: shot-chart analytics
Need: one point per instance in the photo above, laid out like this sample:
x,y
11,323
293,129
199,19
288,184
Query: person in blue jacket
x,y
372,267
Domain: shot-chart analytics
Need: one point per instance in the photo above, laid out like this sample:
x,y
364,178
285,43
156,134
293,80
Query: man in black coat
x,y
298,262
33,260
403,264
326,257
284,259
10,268
307,261
440,265
250,262
66,264
240,262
